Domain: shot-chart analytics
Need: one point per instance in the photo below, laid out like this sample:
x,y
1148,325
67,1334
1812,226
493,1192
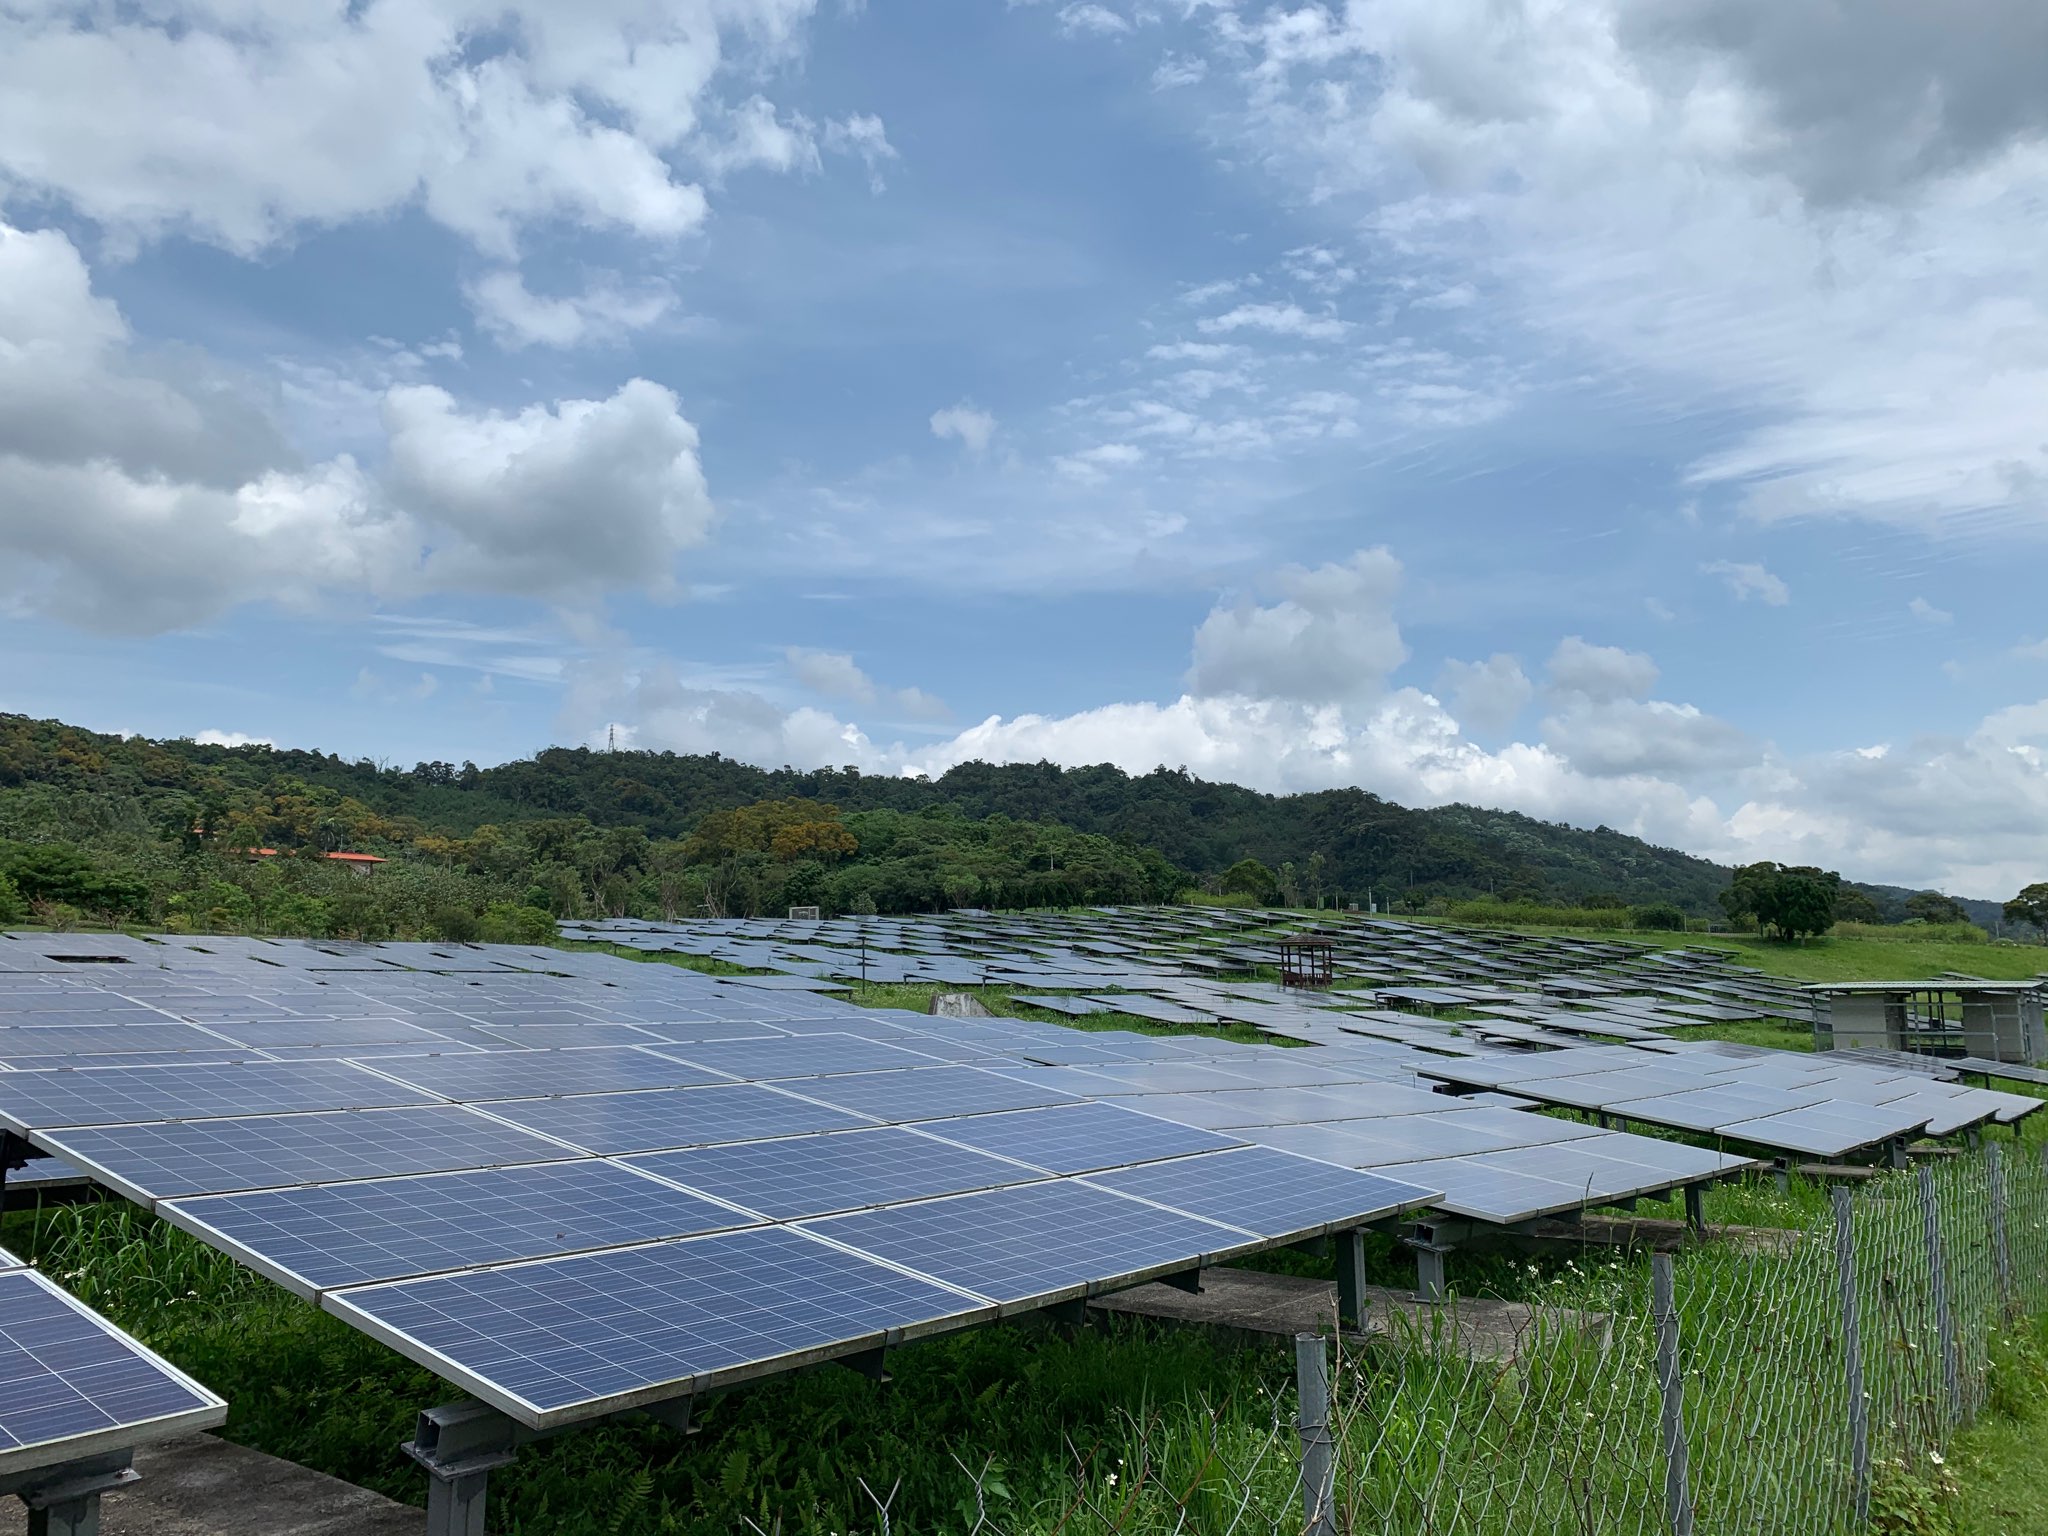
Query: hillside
x,y
61,783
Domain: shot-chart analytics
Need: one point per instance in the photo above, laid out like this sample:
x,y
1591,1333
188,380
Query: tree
x,y
1933,907
1660,917
1248,877
1787,900
1852,906
2030,906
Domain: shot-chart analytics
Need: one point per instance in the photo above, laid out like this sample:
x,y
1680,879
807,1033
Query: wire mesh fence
x,y
1772,1380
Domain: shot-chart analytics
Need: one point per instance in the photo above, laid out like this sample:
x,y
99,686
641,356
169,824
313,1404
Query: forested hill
x,y
60,776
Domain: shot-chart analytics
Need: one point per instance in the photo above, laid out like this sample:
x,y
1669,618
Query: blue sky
x,y
1621,413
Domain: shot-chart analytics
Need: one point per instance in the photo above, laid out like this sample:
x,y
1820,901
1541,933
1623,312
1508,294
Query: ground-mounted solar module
x,y
1258,1189
129,1095
927,1093
1077,1138
72,1385
555,1341
618,1123
509,1074
820,1175
320,1237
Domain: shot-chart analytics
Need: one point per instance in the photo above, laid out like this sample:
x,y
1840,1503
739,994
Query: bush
x,y
1913,933
1659,917
457,925
1530,914
13,908
505,922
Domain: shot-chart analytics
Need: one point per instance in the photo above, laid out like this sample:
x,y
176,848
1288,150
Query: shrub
x,y
457,925
12,907
1913,933
1659,917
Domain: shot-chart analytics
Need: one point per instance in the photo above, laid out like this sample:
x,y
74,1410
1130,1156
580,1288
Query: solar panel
x,y
1033,1243
839,1171
559,1340
613,1123
328,1235
805,1056
928,1093
1077,1138
204,1157
1260,1190
530,1074
72,1384
129,1095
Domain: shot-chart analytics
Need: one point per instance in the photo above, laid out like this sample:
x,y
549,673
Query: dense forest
x,y
168,831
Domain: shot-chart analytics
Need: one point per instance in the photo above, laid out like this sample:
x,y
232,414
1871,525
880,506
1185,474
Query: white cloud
x,y
973,429
1330,640
1621,737
1277,320
919,705
146,492
1177,70
559,501
1747,581
1927,613
755,137
1084,19
864,137
1092,465
241,124
1600,674
831,673
603,312
232,739
1488,694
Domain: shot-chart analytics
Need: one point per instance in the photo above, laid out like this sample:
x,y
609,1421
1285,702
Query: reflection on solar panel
x,y
1261,1190
331,1235
203,1157
128,1095
673,1117
513,1074
75,1384
1032,1243
563,1339
842,1171
1077,1138
928,1093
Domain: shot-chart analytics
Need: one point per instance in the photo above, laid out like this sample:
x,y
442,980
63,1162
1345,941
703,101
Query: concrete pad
x,y
203,1486
1272,1308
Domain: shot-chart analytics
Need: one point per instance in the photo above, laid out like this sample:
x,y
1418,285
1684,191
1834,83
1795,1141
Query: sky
x,y
1627,412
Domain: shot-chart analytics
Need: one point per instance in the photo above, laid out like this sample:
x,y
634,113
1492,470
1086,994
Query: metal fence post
x,y
1937,1274
1671,1384
1318,1464
1852,1352
2001,1254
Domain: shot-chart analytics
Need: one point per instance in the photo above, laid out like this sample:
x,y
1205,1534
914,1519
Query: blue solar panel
x,y
45,1040
797,1056
674,1117
1078,1138
127,1095
1270,1193
529,1074
1031,1243
206,1157
381,1229
843,1171
71,1383
567,1339
928,1093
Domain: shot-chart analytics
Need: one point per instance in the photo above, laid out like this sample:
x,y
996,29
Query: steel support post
x,y
1852,1351
1671,1387
1429,1272
64,1500
2001,1251
1937,1274
1318,1462
460,1445
1696,1209
1349,1249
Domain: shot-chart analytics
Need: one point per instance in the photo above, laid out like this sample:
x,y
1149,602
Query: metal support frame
x,y
1312,1415
1897,1147
1432,1240
1189,1280
461,1445
1937,1274
64,1500
1852,1351
1350,1256
1671,1387
871,1363
1781,1174
1696,1209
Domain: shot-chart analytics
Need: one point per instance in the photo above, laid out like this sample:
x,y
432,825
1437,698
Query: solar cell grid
x,y
198,1157
616,1123
1032,1243
483,1076
815,1055
129,1095
1265,1191
317,1238
928,1093
1078,1138
564,1339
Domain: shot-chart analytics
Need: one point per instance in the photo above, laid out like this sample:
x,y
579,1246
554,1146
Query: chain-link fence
x,y
1798,1380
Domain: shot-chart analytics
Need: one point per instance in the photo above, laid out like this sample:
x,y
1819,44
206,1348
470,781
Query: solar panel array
x,y
572,1184
722,1182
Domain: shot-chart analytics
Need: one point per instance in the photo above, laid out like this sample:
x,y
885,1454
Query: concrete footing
x,y
203,1486
1266,1308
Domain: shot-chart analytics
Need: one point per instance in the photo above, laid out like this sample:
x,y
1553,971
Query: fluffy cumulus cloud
x,y
1600,674
972,428
238,122
1488,695
1331,639
148,491
1748,580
